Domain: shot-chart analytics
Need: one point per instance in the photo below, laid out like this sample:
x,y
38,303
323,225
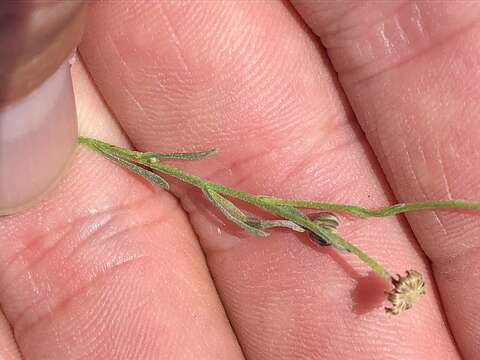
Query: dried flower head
x,y
406,291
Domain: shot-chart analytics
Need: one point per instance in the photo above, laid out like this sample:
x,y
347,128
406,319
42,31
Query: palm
x,y
109,266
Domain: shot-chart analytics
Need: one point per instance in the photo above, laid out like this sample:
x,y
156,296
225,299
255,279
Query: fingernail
x,y
35,38
37,138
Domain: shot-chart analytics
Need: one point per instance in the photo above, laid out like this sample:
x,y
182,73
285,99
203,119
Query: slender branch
x,y
382,212
299,203
406,289
273,205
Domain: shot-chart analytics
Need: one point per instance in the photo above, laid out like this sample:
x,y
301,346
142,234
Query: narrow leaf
x,y
136,155
147,174
231,212
292,210
180,155
266,224
227,204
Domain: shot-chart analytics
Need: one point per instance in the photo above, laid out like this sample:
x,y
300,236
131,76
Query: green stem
x,y
332,237
281,207
382,212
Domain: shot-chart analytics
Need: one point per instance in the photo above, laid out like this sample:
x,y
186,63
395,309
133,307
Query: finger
x,y
411,72
250,81
107,266
36,100
8,346
35,39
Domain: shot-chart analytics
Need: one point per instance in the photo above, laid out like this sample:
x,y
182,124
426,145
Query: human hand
x,y
38,123
109,267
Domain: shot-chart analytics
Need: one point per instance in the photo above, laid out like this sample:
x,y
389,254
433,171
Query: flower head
x,y
406,291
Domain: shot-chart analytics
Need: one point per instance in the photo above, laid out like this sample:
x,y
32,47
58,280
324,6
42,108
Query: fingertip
x,y
37,139
35,39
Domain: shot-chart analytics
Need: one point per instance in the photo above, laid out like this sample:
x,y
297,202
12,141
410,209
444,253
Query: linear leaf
x,y
147,174
136,155
181,155
267,224
292,210
231,212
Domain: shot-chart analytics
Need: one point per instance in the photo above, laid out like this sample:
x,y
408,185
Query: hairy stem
x,y
382,212
285,208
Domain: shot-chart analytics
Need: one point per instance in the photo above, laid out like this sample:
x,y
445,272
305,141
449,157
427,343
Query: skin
x,y
35,38
110,267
